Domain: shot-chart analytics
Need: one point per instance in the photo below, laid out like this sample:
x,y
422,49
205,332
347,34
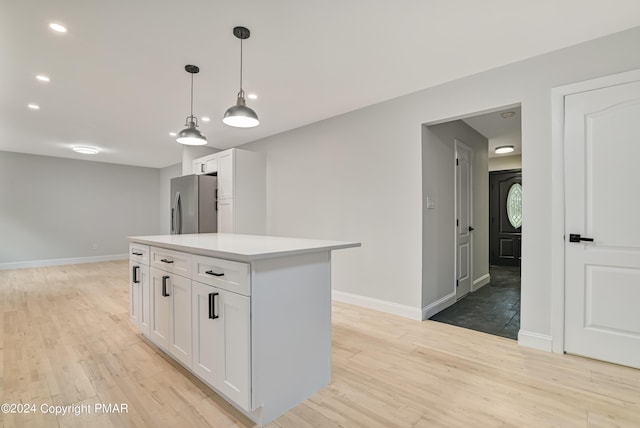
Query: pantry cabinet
x,y
241,193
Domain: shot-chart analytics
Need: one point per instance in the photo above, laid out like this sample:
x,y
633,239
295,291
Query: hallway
x,y
494,309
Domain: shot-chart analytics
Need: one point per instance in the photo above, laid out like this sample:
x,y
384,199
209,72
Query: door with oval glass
x,y
505,217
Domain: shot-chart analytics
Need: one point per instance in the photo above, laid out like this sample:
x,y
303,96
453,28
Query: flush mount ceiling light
x,y
85,150
33,106
190,135
508,114
239,115
43,78
504,149
58,28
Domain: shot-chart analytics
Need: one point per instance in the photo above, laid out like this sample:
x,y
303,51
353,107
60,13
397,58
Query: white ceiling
x,y
118,79
500,130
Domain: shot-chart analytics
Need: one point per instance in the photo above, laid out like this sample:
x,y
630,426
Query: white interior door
x,y
602,277
463,219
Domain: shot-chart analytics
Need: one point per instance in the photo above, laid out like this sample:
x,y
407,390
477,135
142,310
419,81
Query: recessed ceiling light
x,y
58,28
205,119
252,96
508,114
504,149
43,78
173,134
85,150
33,106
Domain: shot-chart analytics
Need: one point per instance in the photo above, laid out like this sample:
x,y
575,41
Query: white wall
x,y
438,182
55,208
358,176
500,163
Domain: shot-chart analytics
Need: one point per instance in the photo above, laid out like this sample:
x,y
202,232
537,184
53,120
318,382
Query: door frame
x,y
558,197
457,143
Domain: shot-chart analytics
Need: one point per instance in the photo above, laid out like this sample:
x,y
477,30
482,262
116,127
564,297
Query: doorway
x,y
505,217
493,305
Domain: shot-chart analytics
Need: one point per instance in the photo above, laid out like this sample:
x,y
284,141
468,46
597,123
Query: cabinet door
x,y
180,318
225,216
205,344
210,164
198,167
135,295
139,296
221,341
145,300
159,307
233,339
225,174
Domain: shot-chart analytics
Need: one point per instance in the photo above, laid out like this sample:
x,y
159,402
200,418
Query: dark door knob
x,y
471,229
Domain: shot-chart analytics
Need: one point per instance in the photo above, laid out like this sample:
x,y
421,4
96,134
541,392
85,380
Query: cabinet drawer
x,y
171,261
225,274
139,253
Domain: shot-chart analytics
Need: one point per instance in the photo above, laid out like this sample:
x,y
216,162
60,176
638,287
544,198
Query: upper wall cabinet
x,y
206,164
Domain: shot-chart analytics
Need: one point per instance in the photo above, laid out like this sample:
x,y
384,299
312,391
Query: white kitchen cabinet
x,y
221,341
241,192
139,287
159,304
257,325
170,326
206,164
241,189
225,216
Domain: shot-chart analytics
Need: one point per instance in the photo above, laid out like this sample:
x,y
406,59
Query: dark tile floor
x,y
494,309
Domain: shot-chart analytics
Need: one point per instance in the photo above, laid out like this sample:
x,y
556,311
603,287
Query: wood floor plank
x,y
66,339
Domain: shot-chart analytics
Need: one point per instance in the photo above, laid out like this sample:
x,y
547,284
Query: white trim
x,y
480,282
534,340
377,304
557,193
439,305
58,262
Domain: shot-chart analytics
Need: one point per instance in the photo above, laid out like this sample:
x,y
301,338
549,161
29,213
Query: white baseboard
x,y
377,304
539,341
58,262
480,282
437,306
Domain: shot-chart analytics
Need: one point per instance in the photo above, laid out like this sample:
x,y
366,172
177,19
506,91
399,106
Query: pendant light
x,y
239,115
190,135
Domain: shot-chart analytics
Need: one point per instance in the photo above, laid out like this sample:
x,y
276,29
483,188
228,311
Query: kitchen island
x,y
250,315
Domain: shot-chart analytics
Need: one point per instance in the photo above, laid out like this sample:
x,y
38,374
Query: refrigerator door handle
x,y
173,222
178,214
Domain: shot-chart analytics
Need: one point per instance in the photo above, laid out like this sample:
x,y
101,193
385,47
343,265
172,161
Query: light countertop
x,y
240,247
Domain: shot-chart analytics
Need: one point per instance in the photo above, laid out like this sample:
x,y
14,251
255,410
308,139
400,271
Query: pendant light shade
x,y
191,135
239,115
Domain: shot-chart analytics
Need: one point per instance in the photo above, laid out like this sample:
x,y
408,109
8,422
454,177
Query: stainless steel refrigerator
x,y
193,204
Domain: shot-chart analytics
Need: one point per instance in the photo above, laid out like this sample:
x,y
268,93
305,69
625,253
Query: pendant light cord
x,y
241,65
191,95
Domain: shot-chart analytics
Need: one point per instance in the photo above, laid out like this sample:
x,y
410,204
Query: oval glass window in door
x,y
514,205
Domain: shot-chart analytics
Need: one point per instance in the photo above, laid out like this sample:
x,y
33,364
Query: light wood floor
x,y
66,338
